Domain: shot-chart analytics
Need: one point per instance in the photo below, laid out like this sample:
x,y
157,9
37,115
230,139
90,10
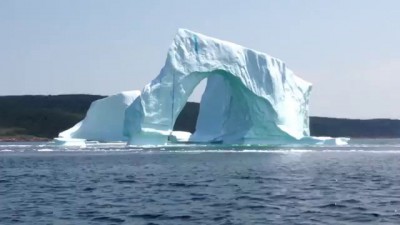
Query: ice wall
x,y
250,97
104,120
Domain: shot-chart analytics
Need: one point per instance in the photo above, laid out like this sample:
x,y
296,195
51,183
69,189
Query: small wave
x,y
198,198
15,146
253,207
89,189
249,198
351,201
125,181
108,219
185,185
160,216
146,216
333,205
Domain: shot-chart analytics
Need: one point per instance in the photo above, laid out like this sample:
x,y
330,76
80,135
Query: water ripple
x,y
282,186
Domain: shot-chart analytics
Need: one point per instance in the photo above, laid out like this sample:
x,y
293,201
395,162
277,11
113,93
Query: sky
x,y
349,50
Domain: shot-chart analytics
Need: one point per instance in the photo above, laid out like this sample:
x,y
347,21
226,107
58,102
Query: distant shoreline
x,y
32,118
23,139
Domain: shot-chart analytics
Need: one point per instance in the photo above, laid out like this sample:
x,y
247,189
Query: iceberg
x,y
104,121
250,97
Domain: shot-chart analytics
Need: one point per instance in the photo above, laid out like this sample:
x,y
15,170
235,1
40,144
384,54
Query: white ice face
x,y
104,120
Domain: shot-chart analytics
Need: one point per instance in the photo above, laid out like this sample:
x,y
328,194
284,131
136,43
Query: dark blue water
x,y
359,184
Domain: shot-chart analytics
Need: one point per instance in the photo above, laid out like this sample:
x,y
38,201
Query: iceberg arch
x,y
250,96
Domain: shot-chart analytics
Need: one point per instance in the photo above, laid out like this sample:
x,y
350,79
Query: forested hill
x,y
41,116
46,116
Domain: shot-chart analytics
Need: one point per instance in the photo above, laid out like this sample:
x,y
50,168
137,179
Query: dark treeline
x,y
46,116
42,116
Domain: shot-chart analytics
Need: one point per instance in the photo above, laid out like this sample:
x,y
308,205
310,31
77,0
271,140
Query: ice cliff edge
x,y
250,97
104,120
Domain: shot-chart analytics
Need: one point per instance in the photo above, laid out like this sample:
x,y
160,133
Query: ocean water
x,y
113,184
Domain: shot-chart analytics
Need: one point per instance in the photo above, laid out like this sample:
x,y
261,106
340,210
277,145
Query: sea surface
x,y
112,184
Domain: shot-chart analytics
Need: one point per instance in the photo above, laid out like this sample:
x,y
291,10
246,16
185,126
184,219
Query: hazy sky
x,y
349,49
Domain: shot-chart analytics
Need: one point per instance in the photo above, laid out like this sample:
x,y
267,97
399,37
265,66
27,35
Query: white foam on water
x,y
16,146
6,150
374,147
45,150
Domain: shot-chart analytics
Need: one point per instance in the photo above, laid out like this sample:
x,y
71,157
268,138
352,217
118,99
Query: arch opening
x,y
187,118
224,113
